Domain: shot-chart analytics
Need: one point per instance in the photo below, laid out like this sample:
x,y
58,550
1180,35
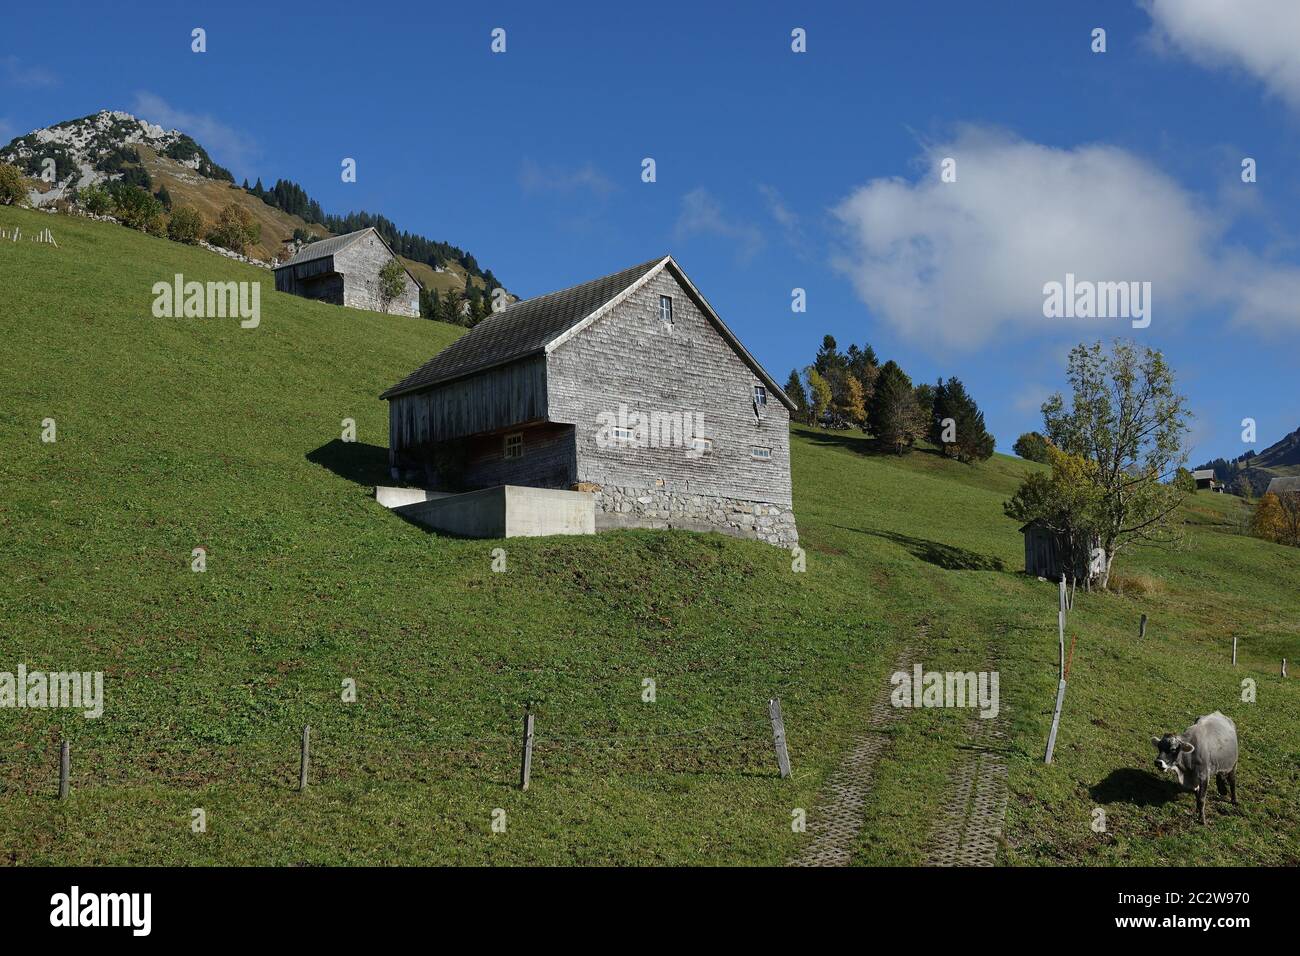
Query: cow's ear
x,y
1155,742
1186,747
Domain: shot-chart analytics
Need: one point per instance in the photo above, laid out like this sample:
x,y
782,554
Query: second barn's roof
x,y
327,247
1277,486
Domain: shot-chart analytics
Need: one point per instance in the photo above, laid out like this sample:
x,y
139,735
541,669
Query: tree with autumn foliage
x,y
1068,501
1125,415
819,394
850,404
1277,518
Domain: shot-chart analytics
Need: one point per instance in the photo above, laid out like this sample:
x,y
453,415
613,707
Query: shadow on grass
x,y
946,556
1141,788
355,461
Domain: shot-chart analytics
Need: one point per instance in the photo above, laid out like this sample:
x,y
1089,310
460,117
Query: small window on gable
x,y
666,309
515,445
760,452
622,434
702,446
760,395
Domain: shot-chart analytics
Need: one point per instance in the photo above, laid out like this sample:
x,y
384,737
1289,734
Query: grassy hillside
x,y
176,434
1280,458
452,278
210,196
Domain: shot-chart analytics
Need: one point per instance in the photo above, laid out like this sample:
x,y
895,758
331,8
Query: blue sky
x,y
776,169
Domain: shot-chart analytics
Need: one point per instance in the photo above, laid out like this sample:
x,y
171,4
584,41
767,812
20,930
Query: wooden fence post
x,y
306,758
778,735
1234,650
1060,628
1056,721
1060,686
1284,667
526,766
65,765
1142,627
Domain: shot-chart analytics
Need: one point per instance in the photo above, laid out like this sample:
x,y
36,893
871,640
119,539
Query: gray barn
x,y
1279,486
344,270
629,387
1204,479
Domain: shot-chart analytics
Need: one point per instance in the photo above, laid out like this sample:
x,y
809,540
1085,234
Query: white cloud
x,y
953,264
786,218
1266,297
777,207
1261,37
1030,397
227,145
533,178
702,214
17,72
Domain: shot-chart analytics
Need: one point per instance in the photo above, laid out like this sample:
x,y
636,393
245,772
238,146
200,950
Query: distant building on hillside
x,y
1046,555
628,388
1279,485
345,270
1205,480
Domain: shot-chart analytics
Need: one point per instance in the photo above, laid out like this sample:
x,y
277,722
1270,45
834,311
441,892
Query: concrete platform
x,y
396,497
506,511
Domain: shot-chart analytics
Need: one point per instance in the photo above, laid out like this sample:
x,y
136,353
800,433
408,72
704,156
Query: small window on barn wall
x,y
760,396
666,310
761,452
515,445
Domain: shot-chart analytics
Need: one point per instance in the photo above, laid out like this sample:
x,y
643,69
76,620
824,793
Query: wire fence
x,y
753,744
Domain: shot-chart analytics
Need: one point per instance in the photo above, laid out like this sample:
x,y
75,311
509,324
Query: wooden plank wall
x,y
495,399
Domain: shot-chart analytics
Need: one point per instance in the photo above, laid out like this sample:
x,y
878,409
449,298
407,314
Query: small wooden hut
x,y
1046,555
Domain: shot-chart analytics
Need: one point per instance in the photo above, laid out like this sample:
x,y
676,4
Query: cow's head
x,y
1171,753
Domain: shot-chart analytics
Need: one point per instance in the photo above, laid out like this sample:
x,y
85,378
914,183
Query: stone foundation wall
x,y
658,508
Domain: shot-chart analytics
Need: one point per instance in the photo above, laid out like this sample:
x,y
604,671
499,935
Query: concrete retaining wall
x,y
511,511
396,497
506,511
531,512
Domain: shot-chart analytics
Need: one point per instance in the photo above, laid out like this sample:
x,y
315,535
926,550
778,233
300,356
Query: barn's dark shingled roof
x,y
519,330
325,247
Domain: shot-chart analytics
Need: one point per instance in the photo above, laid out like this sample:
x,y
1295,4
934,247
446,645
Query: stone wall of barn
x,y
360,263
683,381
656,508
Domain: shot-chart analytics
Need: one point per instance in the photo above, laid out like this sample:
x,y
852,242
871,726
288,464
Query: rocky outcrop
x,y
229,254
90,150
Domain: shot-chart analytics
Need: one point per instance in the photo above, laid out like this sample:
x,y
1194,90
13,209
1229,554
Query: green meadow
x,y
177,434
